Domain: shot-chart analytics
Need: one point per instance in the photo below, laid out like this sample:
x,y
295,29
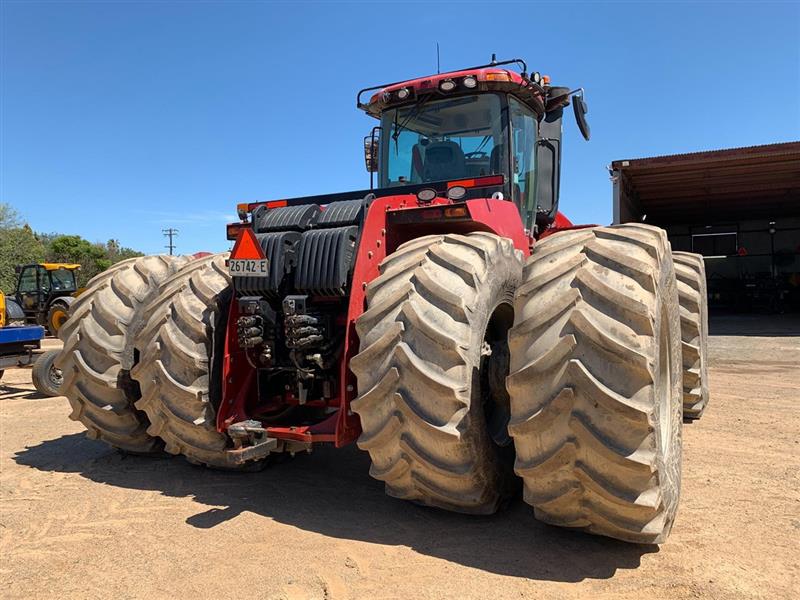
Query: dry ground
x,y
80,520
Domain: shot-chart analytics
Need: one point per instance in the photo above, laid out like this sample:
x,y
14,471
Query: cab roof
x,y
488,78
56,266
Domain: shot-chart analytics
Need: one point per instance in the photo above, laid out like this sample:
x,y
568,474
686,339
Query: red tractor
x,y
449,319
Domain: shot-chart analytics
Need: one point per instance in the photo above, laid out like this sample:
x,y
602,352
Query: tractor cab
x,y
45,291
495,131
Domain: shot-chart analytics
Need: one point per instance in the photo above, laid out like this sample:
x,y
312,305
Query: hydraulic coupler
x,y
303,330
255,326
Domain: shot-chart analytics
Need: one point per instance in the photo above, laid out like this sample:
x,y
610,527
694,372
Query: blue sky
x,y
121,118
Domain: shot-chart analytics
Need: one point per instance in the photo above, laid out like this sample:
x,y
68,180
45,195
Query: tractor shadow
x,y
331,493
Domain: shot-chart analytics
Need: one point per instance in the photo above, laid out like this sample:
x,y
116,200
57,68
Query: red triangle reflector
x,y
247,246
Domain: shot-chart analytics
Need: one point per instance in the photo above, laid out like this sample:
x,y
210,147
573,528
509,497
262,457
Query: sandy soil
x,y
80,520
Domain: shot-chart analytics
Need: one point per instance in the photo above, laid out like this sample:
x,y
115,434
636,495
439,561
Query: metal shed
x,y
739,207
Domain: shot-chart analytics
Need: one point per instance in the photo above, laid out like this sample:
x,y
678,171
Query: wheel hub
x,y
495,360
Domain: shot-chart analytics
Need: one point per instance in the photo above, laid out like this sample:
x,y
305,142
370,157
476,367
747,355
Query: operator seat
x,y
444,160
494,161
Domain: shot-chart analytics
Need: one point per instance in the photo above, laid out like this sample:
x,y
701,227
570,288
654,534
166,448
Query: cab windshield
x,y
436,140
63,280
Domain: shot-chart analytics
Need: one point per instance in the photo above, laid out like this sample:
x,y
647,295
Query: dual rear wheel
x,y
585,341
97,356
142,356
137,356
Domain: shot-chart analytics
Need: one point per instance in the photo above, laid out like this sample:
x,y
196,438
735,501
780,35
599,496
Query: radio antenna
x,y
438,68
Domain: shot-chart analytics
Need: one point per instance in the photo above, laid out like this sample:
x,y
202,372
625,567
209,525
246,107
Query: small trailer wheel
x,y
47,379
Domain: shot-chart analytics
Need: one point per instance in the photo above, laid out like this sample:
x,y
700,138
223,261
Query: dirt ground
x,y
80,520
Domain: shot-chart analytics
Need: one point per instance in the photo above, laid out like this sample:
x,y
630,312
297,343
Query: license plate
x,y
248,267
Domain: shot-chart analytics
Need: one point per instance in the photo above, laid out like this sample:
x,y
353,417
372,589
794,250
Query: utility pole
x,y
170,233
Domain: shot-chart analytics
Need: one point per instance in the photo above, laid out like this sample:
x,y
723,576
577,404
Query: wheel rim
x,y
495,359
55,376
58,319
664,386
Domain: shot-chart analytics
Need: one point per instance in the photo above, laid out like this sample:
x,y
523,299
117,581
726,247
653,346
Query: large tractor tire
x,y
431,369
94,379
180,358
691,273
595,382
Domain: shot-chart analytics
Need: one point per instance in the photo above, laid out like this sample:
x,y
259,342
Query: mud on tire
x,y
690,271
93,357
435,315
595,382
178,371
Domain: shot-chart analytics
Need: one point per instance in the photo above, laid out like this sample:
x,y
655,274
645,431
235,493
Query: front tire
x,y
595,382
433,341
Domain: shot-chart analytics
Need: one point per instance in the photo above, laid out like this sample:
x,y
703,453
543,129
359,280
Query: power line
x,y
170,233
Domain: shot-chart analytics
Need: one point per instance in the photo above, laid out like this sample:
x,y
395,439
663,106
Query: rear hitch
x,y
250,442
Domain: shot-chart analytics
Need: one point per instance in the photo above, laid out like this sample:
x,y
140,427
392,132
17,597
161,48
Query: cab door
x,y
523,160
32,289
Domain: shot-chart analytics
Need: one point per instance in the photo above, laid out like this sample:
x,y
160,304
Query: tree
x,y
112,247
18,246
74,249
9,218
126,253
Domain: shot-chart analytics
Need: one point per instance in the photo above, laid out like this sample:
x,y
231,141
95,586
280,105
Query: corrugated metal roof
x,y
777,149
730,183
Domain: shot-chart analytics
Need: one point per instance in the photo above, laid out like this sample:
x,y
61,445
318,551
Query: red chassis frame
x,y
377,240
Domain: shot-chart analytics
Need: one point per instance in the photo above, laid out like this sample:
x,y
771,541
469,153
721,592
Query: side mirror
x,y
17,269
580,108
371,150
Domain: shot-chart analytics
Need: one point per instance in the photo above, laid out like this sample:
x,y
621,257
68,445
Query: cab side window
x,y
523,132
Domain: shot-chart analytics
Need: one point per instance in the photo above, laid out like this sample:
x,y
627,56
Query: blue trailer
x,y
21,346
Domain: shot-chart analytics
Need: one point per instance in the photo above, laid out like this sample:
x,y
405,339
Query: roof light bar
x,y
494,63
503,76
